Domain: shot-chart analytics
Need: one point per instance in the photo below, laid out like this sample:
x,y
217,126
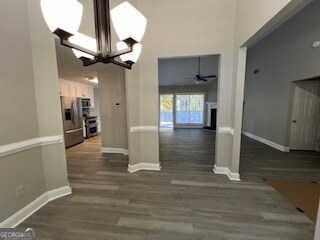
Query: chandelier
x,y
63,18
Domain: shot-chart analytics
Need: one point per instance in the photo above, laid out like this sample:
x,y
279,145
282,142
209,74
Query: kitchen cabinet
x,y
64,88
75,89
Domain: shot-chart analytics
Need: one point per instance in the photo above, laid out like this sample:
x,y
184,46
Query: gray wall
x,y
286,55
28,83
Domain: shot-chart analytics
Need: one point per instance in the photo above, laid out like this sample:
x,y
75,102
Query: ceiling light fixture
x,y
63,18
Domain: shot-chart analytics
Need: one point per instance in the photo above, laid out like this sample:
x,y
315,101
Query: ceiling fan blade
x,y
209,76
199,67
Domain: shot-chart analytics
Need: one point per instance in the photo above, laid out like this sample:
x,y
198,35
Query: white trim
x,y
189,127
144,166
115,150
144,129
29,144
226,130
34,206
226,171
267,142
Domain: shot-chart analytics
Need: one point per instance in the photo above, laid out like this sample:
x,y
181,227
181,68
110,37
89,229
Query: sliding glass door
x,y
166,110
189,109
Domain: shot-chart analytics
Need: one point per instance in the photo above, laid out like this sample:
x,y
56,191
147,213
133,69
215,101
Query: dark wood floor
x,y
185,200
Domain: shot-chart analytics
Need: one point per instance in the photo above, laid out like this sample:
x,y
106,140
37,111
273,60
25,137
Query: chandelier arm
x,y
71,45
127,65
121,52
88,62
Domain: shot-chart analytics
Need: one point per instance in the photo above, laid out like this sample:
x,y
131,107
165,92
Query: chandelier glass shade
x,y
63,14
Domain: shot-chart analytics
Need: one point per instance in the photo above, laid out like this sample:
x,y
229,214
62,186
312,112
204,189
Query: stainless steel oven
x,y
91,127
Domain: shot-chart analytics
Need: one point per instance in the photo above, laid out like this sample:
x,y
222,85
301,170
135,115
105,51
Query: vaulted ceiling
x,y
182,70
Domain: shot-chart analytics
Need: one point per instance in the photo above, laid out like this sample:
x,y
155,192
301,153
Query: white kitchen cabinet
x,y
80,90
75,89
91,95
64,88
72,89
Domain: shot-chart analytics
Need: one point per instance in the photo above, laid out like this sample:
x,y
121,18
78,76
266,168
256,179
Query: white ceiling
x,y
182,70
71,68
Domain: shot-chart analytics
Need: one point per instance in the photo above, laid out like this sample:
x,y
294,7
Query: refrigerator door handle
x,y
72,111
74,130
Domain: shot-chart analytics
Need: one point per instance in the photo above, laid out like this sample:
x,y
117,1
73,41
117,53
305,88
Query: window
x,y
166,111
189,109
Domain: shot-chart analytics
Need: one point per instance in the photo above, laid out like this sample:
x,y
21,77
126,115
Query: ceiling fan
x,y
199,78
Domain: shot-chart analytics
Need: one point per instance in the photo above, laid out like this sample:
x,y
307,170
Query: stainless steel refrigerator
x,y
72,120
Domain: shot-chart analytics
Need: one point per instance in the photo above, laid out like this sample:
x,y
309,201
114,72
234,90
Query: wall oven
x,y
91,127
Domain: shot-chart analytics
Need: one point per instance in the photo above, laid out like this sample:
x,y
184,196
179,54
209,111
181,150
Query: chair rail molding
x,y
16,147
226,130
144,129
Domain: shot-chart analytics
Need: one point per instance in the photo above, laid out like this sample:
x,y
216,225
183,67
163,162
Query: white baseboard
x,y
226,171
267,142
34,206
115,150
144,166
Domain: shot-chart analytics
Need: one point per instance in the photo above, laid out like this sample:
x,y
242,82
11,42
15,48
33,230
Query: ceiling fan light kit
x,y
63,18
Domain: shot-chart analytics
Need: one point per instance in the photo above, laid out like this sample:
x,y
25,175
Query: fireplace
x,y
211,116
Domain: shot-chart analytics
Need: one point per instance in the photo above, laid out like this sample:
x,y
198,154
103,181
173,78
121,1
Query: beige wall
x,y
227,25
173,36
30,104
113,117
18,119
46,84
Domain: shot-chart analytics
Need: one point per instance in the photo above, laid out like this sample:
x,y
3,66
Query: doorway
x,y
305,120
